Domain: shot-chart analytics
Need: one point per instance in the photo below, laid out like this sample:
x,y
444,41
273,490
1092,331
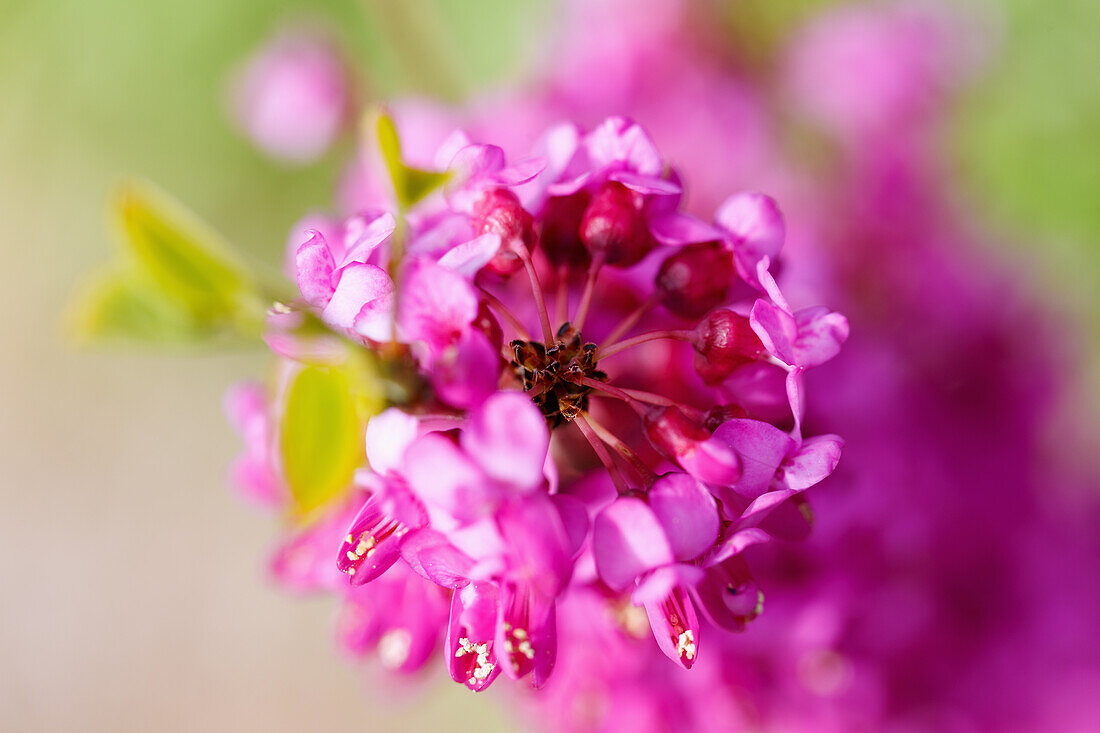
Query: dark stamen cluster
x,y
551,374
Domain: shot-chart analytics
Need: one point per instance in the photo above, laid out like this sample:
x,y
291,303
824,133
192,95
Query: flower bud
x,y
724,340
615,228
688,443
560,237
672,432
499,211
696,279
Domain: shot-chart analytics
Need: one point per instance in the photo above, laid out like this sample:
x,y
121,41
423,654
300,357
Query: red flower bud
x,y
696,279
615,228
724,340
560,235
499,211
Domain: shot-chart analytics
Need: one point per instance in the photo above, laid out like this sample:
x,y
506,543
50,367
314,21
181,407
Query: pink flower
x,y
291,98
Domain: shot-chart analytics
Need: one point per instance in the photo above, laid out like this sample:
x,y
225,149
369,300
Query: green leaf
x,y
117,305
183,258
321,436
410,184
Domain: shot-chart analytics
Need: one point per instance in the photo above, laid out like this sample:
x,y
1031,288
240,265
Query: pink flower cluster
x,y
610,408
946,582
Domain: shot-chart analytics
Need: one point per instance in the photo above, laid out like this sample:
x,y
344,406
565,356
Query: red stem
x,y
625,344
601,453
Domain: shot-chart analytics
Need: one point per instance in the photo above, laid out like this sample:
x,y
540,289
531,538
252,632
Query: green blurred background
x,y
132,598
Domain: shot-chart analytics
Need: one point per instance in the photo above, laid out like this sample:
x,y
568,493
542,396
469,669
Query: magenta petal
x,y
627,541
675,626
526,635
791,521
712,461
762,448
728,596
522,171
538,546
618,140
365,234
360,287
437,304
776,329
468,258
372,543
431,556
574,518
762,506
467,372
676,228
820,334
440,474
507,435
687,512
756,224
388,434
646,184
303,561
812,462
656,585
314,266
737,543
471,636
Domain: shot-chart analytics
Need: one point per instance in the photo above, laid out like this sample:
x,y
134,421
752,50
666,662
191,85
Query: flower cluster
x,y
606,404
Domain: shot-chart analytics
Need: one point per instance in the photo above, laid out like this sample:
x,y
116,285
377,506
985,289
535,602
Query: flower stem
x,y
502,310
625,344
601,453
646,473
589,291
630,321
536,291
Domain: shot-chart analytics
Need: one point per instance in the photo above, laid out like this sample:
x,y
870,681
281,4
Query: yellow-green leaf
x,y
321,436
116,305
410,184
187,261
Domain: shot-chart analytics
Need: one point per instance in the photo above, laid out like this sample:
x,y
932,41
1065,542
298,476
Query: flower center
x,y
552,374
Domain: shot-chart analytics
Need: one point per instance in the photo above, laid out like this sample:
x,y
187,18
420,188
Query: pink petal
x,y
659,584
468,258
522,171
675,626
812,462
728,595
360,287
508,437
619,140
388,434
676,228
712,461
820,334
757,227
646,184
776,329
437,304
687,513
627,541
430,555
440,474
364,234
315,268
762,448
467,372
473,623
